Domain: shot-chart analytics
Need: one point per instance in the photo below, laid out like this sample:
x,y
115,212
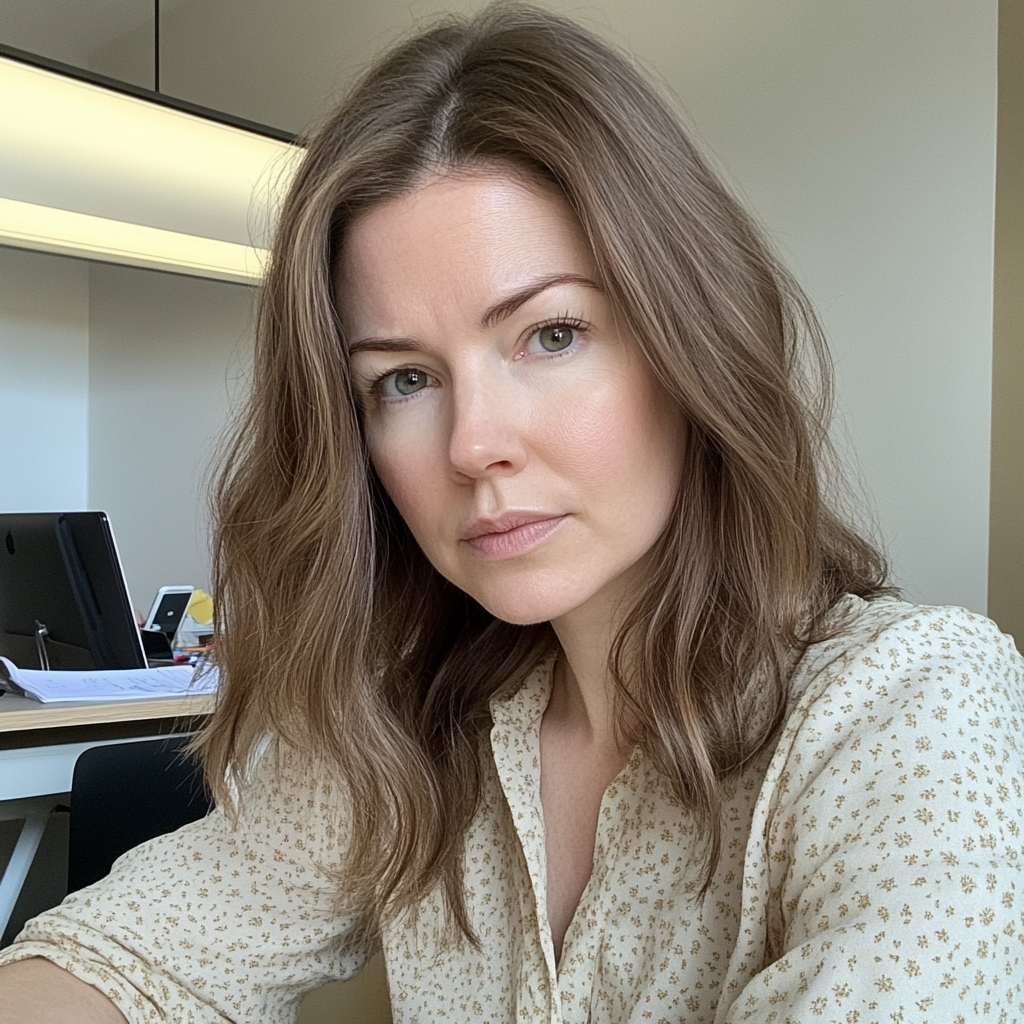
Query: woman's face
x,y
520,435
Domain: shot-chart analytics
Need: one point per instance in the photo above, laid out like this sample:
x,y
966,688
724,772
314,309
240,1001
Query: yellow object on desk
x,y
200,607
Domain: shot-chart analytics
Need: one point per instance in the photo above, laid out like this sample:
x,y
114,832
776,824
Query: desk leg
x,y
21,859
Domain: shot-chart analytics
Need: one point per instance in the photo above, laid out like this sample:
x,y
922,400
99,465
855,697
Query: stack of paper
x,y
111,685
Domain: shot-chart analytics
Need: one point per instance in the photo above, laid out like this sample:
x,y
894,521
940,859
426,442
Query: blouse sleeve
x,y
893,837
219,921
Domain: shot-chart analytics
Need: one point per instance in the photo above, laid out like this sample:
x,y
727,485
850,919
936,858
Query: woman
x,y
547,664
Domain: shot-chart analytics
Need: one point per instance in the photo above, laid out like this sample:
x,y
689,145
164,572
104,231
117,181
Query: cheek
x,y
406,465
621,434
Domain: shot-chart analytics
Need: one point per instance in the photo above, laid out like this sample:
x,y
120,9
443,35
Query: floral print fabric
x,y
871,870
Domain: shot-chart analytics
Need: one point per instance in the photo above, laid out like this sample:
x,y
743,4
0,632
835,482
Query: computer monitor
x,y
63,599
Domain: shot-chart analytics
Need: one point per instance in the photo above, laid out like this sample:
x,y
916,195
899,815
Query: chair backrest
x,y
125,793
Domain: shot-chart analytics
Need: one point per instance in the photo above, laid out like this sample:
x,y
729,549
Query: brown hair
x,y
335,631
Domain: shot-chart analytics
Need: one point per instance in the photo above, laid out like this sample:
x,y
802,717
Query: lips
x,y
503,523
511,533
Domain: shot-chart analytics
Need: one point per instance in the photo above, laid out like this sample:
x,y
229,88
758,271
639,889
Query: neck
x,y
583,692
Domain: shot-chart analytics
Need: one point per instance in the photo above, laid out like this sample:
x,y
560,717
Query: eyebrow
x,y
504,309
498,312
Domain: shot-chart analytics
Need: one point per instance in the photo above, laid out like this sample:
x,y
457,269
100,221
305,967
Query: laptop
x,y
64,603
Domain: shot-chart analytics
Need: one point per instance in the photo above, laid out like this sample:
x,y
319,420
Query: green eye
x,y
556,337
408,382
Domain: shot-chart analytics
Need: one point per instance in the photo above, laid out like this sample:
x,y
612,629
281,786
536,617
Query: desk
x,y
39,745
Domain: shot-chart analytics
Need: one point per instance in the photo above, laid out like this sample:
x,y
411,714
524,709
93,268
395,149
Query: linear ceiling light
x,y
46,229
109,172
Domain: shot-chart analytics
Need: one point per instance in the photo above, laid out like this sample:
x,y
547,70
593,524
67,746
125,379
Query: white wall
x,y
115,385
863,135
167,355
44,382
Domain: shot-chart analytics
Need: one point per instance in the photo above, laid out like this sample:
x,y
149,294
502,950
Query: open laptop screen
x,y
63,598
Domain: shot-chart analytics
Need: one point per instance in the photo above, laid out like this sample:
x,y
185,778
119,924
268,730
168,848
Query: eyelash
x,y
375,386
560,321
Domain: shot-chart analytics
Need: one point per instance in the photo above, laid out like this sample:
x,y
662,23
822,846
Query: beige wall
x,y
363,1000
1006,556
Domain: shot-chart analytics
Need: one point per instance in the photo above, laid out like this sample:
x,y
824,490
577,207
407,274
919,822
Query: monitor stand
x,y
41,634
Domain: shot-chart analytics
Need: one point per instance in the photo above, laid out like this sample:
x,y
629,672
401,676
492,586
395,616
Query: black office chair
x,y
125,793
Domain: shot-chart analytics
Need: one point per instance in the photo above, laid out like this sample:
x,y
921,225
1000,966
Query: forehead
x,y
457,242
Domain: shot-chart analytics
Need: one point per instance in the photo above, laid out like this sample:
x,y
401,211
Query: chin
x,y
527,606
519,618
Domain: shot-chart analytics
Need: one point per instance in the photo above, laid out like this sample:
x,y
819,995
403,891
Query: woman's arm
x,y
38,992
220,921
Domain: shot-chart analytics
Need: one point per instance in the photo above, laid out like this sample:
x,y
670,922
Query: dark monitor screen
x,y
62,589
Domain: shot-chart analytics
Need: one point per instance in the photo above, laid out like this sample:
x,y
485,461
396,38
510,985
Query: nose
x,y
487,429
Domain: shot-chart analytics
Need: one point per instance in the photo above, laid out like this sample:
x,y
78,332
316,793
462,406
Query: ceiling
x,y
70,30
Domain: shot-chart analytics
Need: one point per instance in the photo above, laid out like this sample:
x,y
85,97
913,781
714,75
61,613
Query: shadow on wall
x,y
363,1000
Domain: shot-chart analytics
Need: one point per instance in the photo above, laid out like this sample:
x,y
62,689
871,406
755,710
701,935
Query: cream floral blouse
x,y
871,871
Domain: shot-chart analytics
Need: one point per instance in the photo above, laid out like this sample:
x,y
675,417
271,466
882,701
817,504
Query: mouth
x,y
511,534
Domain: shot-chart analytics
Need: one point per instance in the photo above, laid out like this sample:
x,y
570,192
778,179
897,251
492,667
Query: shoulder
x,y
300,799
895,650
902,689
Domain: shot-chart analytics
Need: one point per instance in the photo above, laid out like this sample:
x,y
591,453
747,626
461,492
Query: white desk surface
x,y
18,714
41,769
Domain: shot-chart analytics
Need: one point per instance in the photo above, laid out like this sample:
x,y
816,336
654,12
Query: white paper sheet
x,y
111,685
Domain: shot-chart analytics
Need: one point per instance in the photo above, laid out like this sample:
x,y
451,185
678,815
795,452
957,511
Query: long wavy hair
x,y
334,631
